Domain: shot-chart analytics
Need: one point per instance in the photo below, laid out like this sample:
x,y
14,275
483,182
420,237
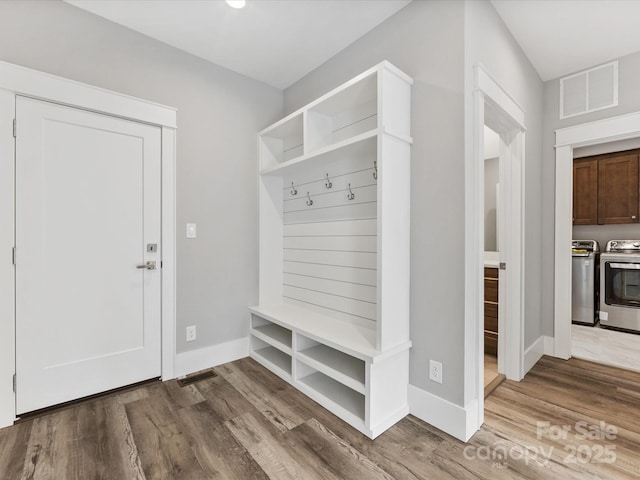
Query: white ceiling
x,y
280,41
274,41
566,36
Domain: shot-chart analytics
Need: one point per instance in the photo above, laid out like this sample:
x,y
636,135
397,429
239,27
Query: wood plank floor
x,y
565,420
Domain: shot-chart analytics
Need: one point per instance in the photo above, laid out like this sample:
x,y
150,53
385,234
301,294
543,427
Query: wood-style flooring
x,y
491,376
565,420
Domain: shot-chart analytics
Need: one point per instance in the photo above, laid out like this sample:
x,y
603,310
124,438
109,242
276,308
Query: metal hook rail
x,y
328,181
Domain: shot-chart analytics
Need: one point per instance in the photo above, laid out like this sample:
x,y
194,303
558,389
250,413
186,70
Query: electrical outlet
x,y
191,333
435,371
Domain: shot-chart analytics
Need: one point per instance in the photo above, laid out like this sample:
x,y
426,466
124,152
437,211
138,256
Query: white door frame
x,y
15,80
593,133
493,106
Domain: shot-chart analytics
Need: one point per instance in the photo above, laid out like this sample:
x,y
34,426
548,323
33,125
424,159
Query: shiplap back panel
x,y
330,240
353,122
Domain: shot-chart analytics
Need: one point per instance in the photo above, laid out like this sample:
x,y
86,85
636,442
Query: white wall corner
x,y
460,422
194,360
533,354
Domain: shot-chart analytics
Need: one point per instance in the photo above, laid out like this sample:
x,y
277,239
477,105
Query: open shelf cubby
x,y
340,366
282,142
334,392
271,333
272,358
346,114
334,196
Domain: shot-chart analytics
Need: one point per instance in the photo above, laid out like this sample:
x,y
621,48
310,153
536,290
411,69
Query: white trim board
x,y
592,133
457,421
195,360
7,284
535,352
45,86
16,80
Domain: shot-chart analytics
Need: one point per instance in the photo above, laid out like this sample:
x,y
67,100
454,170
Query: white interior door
x,y
87,205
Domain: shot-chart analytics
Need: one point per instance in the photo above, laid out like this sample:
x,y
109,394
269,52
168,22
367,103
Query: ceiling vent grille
x,y
590,90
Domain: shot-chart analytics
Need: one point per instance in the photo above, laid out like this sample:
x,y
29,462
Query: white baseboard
x,y
548,345
453,419
533,354
388,422
542,346
7,404
189,362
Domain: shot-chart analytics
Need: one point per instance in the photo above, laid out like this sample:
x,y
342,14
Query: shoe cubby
x,y
270,357
271,333
329,392
342,367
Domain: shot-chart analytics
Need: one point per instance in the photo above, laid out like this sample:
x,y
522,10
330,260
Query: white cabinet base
x,y
333,363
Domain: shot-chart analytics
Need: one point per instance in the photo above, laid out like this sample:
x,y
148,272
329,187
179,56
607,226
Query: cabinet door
x,y
618,190
585,192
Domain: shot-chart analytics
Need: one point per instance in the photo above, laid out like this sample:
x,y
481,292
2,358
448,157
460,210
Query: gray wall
x,y
219,113
489,42
425,40
628,102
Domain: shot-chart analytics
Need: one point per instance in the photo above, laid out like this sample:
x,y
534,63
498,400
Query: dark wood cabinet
x,y
606,189
585,192
491,311
618,189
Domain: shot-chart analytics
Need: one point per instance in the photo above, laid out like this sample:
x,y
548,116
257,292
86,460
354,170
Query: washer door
x,y
622,283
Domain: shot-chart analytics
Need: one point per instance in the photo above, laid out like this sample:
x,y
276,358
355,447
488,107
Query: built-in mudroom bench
x,y
334,196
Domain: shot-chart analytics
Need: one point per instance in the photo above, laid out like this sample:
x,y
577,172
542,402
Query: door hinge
x,y
14,383
13,255
14,128
503,266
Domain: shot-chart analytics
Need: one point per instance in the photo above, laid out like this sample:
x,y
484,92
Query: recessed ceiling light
x,y
236,3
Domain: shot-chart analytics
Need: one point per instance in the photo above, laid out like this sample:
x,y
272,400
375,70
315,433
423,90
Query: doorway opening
x,y
494,108
598,133
492,238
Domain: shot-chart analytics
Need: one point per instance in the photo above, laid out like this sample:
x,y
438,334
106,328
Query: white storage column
x,y
334,193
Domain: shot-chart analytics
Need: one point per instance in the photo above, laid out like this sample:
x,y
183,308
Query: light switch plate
x,y
191,230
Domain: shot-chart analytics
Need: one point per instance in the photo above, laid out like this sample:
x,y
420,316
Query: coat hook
x,y
328,183
294,192
309,201
350,195
375,167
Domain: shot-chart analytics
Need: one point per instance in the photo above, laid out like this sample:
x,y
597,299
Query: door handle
x,y
151,265
625,266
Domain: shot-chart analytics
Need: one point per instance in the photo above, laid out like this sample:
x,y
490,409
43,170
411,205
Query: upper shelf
x,y
353,112
361,144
